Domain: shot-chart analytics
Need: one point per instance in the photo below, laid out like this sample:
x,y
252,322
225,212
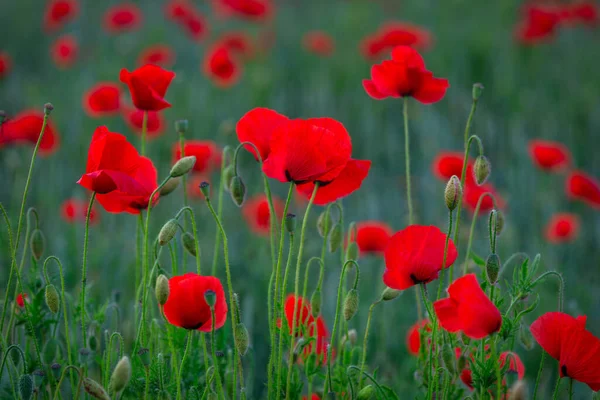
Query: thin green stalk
x,y
365,342
308,264
472,231
184,177
84,270
23,360
407,159
195,233
185,353
139,233
570,388
220,393
539,375
62,376
219,211
555,394
498,374
144,131
444,260
561,288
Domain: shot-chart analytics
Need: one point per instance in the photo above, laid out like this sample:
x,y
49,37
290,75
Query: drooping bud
x,y
237,190
48,107
366,393
120,376
492,268
205,189
482,169
210,297
324,223
352,336
453,192
350,304
525,338
144,355
228,174
167,232
52,298
181,126
56,368
335,238
449,359
352,251
477,91
37,243
26,386
242,340
161,289
315,303
499,222
183,166
290,222
518,391
170,186
189,244
94,389
390,294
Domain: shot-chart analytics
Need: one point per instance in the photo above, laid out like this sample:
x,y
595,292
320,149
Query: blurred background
x,y
545,88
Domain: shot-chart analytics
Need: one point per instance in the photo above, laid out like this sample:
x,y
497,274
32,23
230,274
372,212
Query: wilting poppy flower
x,y
240,43
562,228
257,10
394,34
124,17
102,100
21,298
585,12
405,75
413,338
257,127
5,64
158,54
207,153
221,67
64,51
319,43
582,186
468,309
257,214
473,192
59,12
122,179
372,237
416,255
26,127
75,210
448,163
576,349
186,15
134,118
148,86
550,156
539,24
186,306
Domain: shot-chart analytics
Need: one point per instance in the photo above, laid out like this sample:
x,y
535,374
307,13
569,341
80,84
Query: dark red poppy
x,y
257,126
584,12
26,127
207,153
148,86
372,237
21,299
75,210
240,43
122,179
221,66
5,64
59,12
448,163
539,24
394,34
473,192
562,228
468,309
186,15
548,155
319,43
581,186
134,118
186,306
413,338
405,75
102,100
124,17
158,54
415,255
576,349
256,10
257,214
64,51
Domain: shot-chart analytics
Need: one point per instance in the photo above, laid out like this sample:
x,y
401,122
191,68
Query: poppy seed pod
x,y
352,251
144,355
315,303
183,166
210,297
453,193
335,238
324,223
237,190
477,91
390,294
161,289
120,376
94,389
350,304
228,174
52,298
167,232
205,189
242,340
492,268
26,386
170,186
37,244
189,244
352,336
482,169
290,223
48,107
181,126
499,218
366,393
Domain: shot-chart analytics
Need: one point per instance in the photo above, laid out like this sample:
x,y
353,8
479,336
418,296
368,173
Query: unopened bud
x,y
205,189
169,187
189,243
390,294
352,251
453,193
324,223
120,376
56,368
290,223
366,393
352,336
38,377
449,359
26,386
161,289
492,268
84,354
228,174
462,362
477,91
167,232
315,303
52,298
183,166
210,297
525,338
242,340
48,107
144,355
181,126
335,238
499,221
350,304
482,169
237,190
37,243
94,389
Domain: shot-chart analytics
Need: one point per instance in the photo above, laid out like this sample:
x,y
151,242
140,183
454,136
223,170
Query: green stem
x,y
365,342
23,363
308,264
185,353
561,288
144,130
192,217
62,376
472,231
570,388
498,374
217,374
539,375
407,159
84,270
444,260
555,394
184,177
219,210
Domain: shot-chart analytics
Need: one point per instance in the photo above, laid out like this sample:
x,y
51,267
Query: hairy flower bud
x,y
482,169
492,268
167,232
120,376
37,244
335,238
144,355
228,174
237,190
290,223
52,298
390,294
26,386
477,91
161,289
366,393
242,340
210,297
315,303
94,389
352,251
499,222
181,126
453,192
183,166
170,186
205,189
48,107
189,243
350,304
324,223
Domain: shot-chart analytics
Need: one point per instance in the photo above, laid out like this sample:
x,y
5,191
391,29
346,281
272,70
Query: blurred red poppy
x,y
240,43
207,153
123,17
186,306
102,100
26,127
539,24
186,15
372,237
58,13
394,34
313,397
468,309
134,118
257,126
319,43
75,210
548,155
148,86
581,186
585,12
64,51
5,64
405,75
576,349
413,337
21,299
562,228
158,54
122,179
448,163
473,192
256,10
257,214
415,255
515,364
221,67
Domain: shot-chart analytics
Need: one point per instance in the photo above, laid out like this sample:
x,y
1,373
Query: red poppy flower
x,y
550,156
59,12
319,43
257,127
413,338
576,349
21,298
102,100
515,364
186,15
468,309
186,306
124,17
257,214
75,210
539,24
582,186
158,54
415,255
394,34
26,127
405,75
5,64
585,12
122,179
562,228
148,86
207,153
372,237
221,67
64,51
472,192
134,118
239,43
257,10
448,163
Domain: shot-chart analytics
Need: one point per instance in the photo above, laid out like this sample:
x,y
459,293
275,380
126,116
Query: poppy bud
x,y
324,224
228,174
26,386
38,377
237,190
492,268
242,340
48,107
189,244
390,294
482,169
56,368
144,355
462,362
518,391
37,244
350,304
499,222
366,393
84,353
52,298
335,238
161,289
167,232
120,376
449,359
205,189
290,223
92,342
170,186
183,166
315,303
352,251
181,126
477,91
94,389
352,336
525,338
453,192
210,297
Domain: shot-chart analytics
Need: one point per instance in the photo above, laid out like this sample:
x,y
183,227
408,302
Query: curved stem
x,y
561,288
82,313
192,217
365,341
539,374
62,376
185,353
379,388
23,360
467,254
510,259
305,288
448,234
